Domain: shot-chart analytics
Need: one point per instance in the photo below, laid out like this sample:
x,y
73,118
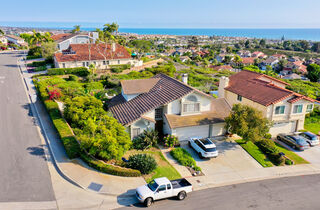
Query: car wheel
x,y
200,155
182,195
309,144
278,138
294,147
189,143
148,202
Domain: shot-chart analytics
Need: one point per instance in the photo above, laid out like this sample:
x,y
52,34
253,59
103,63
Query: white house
x,y
169,106
101,55
3,40
15,40
64,40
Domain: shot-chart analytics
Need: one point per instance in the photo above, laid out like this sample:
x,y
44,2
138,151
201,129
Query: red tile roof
x,y
57,37
224,67
248,85
85,52
247,60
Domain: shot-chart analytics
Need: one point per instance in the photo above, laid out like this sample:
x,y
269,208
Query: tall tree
x,y
76,29
313,72
1,32
111,28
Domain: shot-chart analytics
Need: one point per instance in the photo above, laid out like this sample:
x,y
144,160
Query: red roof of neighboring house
x,y
247,60
247,84
80,52
57,37
224,67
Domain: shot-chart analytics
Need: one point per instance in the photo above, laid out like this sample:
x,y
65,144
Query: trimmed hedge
x,y
40,68
119,68
268,147
109,169
37,63
79,71
30,57
184,157
68,140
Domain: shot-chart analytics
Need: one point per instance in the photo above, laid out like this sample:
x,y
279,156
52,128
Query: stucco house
x,y
169,106
64,40
101,55
284,107
3,40
15,40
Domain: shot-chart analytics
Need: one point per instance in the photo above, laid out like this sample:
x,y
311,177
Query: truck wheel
x,y
148,202
189,143
182,195
200,155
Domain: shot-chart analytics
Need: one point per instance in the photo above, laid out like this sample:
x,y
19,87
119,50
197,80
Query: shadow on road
x,y
11,65
37,151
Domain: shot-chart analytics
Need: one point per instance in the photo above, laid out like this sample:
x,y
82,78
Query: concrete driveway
x,y
232,164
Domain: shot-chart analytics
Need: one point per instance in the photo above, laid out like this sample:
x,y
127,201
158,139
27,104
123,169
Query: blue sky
x,y
164,13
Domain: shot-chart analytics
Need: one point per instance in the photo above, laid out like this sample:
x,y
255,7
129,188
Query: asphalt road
x,y
24,174
300,192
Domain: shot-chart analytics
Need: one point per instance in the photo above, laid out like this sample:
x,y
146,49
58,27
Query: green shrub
x,y
197,168
288,162
276,159
71,146
37,63
73,78
267,146
116,70
145,140
40,68
79,71
31,57
171,141
35,51
142,162
109,169
183,157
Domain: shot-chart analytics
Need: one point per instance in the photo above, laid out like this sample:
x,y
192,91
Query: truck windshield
x,y
153,185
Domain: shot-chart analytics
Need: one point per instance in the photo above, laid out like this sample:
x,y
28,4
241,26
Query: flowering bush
x,y
170,141
54,94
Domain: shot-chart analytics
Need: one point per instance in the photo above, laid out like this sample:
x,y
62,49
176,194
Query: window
x,y
108,62
195,107
309,107
84,64
63,65
297,109
239,98
162,188
87,63
158,113
280,110
118,61
168,186
104,62
135,132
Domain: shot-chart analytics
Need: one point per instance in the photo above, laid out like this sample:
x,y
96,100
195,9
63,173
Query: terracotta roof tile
x,y
138,85
85,52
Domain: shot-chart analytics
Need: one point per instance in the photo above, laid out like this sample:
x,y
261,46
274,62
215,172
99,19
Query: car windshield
x,y
211,149
314,138
301,141
153,185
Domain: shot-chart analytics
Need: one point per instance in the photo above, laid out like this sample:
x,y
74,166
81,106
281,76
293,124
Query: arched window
x,y
191,105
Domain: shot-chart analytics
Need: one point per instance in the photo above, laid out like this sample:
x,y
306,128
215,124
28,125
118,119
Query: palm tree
x,y
76,29
36,38
111,28
1,32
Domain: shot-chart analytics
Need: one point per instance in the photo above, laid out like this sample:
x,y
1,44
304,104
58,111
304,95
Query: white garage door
x,y
283,127
187,132
217,129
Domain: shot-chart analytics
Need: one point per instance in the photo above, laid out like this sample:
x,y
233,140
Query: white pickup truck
x,y
162,188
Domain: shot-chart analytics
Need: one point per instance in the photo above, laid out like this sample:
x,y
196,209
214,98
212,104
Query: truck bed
x,y
179,183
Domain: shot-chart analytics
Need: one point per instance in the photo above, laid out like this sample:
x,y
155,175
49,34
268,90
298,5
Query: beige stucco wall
x,y
98,63
142,124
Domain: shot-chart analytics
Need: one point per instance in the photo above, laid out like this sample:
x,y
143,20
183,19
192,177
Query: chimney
x,y
113,47
223,83
185,78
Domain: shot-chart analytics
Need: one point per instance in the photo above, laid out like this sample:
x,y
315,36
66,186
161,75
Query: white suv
x,y
204,147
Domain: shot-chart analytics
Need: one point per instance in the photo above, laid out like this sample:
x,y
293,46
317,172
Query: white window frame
x,y
137,133
297,112
191,107
309,110
284,110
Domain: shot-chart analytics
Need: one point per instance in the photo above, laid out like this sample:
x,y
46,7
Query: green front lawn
x,y
291,155
164,169
255,152
312,124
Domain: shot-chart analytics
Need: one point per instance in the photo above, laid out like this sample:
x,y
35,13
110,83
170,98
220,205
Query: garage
x,y
185,133
283,127
217,129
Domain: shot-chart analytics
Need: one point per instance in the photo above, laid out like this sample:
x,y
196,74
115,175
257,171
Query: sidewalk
x,y
76,170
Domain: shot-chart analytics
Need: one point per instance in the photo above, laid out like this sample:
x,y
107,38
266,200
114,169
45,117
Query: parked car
x,y
204,147
295,141
162,188
311,138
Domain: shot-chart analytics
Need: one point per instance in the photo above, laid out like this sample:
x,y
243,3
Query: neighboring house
x,y
258,54
246,61
221,57
279,56
285,108
223,67
296,66
184,59
3,40
15,40
292,76
294,59
64,40
271,61
169,106
244,53
101,55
